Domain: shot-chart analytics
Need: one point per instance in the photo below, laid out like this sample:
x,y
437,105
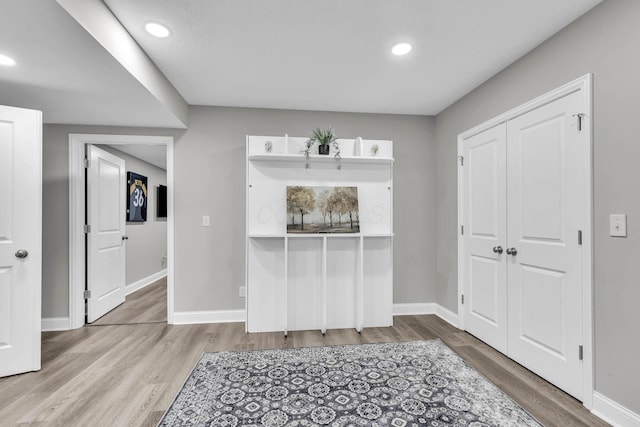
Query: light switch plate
x,y
618,225
205,221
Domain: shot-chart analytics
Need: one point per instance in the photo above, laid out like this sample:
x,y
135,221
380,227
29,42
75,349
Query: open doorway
x,y
159,286
144,237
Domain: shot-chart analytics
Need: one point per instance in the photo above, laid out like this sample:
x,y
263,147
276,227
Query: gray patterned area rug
x,y
421,383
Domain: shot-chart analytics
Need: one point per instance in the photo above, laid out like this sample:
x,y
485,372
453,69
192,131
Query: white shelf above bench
x,y
313,158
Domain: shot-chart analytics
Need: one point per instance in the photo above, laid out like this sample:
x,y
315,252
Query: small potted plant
x,y
325,139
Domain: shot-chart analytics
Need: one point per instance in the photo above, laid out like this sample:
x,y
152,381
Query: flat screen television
x,y
162,201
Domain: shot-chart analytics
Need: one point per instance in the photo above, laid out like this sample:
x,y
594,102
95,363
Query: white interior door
x,y
105,240
545,290
485,274
20,239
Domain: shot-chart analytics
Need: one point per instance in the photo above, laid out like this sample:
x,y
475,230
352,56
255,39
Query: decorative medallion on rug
x,y
420,383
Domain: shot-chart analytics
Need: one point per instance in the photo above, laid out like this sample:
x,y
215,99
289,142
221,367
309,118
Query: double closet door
x,y
522,250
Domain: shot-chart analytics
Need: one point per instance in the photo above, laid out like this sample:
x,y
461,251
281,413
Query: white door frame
x,y
77,262
584,85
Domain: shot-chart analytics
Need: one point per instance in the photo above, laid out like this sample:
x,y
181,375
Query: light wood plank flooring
x,y
127,375
147,305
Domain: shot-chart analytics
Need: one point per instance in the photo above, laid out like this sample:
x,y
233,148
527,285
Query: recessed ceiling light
x,y
401,49
6,60
157,30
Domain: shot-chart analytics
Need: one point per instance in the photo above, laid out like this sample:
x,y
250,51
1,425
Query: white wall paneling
x,y
318,281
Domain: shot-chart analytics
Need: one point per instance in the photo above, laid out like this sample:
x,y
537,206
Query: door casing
x,y
584,86
77,200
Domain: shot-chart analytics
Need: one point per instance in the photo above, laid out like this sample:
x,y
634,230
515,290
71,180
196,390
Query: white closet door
x,y
485,237
543,190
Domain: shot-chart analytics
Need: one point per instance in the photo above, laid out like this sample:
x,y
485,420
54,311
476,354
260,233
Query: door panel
x,y
484,291
545,290
541,310
20,229
485,209
106,215
541,179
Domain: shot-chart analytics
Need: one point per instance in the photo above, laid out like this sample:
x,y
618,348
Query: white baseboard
x,y
145,281
414,309
222,316
426,308
55,324
228,316
614,413
447,315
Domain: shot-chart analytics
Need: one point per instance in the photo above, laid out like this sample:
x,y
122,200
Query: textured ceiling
x,y
330,55
64,72
334,55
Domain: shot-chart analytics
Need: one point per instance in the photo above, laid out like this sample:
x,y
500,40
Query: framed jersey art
x,y
137,199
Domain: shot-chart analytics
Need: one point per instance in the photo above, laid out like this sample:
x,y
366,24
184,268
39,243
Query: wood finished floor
x,y
128,375
147,305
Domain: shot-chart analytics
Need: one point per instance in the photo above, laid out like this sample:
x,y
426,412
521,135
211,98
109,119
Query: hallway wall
x,y
146,245
210,179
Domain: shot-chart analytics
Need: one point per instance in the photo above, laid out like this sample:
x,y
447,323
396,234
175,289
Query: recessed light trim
x,y
157,30
401,49
7,60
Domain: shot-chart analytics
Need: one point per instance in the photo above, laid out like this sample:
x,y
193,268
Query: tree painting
x,y
321,209
302,201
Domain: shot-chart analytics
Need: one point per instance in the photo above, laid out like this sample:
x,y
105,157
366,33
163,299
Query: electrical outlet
x,y
205,221
242,291
618,225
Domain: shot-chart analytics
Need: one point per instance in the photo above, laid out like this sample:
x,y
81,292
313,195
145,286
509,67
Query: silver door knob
x,y
22,253
497,249
512,251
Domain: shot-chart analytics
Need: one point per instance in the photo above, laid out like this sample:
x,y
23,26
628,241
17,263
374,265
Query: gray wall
x,y
210,180
147,243
604,42
55,205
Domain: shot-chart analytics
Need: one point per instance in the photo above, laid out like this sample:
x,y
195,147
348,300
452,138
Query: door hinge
x,y
579,116
579,237
580,352
462,299
86,228
461,160
85,162
87,294
462,229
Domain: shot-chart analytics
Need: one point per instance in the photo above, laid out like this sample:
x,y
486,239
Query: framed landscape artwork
x,y
322,210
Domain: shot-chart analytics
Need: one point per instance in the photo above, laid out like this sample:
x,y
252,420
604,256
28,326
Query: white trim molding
x,y
413,309
416,309
144,282
614,413
214,316
55,324
446,315
77,145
